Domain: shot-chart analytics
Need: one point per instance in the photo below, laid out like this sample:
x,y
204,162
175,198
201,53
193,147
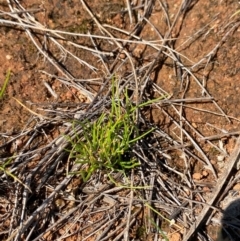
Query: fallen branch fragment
x,y
233,160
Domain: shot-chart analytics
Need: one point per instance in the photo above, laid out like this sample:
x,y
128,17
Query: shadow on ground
x,y
230,230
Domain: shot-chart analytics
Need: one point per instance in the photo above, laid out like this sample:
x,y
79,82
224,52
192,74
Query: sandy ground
x,y
205,38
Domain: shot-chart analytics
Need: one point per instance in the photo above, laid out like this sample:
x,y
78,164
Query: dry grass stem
x,y
151,184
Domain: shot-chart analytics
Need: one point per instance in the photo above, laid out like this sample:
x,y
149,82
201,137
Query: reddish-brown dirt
x,y
205,25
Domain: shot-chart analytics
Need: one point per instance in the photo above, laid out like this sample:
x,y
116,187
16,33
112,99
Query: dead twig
x,y
233,159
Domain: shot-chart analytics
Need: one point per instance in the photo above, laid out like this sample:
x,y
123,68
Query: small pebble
x,y
194,125
220,158
197,176
206,189
213,162
175,237
236,187
205,173
122,56
8,56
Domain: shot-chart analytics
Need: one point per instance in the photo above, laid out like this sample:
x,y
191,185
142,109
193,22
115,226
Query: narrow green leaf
x,y
5,83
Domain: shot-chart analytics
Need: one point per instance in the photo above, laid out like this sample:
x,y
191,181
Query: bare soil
x,y
206,41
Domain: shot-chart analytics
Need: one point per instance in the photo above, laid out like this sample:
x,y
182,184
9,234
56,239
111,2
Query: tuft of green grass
x,y
3,89
104,142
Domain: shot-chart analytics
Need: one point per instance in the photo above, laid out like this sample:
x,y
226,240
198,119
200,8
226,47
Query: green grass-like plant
x,y
105,141
3,89
4,169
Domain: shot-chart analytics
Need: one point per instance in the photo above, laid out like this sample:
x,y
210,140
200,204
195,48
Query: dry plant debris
x,y
181,165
